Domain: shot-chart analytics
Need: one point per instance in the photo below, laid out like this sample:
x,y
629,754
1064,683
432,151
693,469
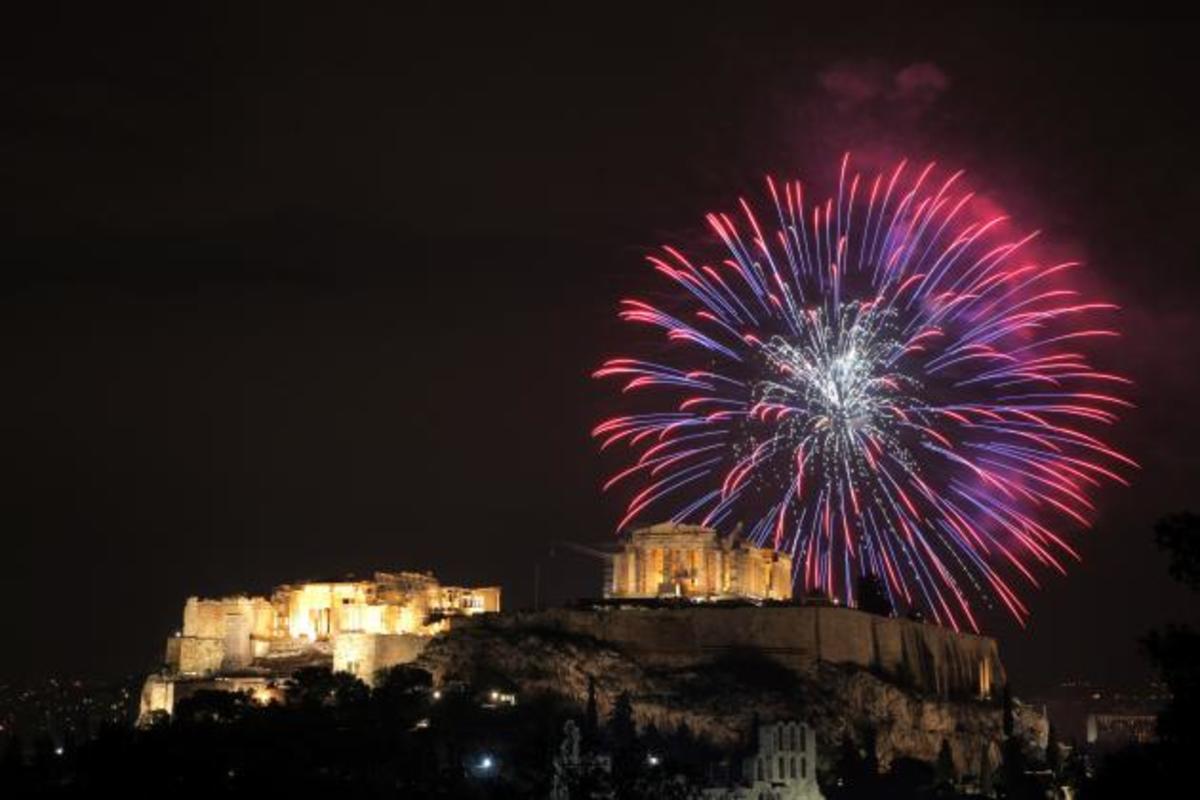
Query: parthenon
x,y
692,561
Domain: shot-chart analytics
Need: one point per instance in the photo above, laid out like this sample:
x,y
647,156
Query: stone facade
x,y
674,560
783,766
358,626
364,654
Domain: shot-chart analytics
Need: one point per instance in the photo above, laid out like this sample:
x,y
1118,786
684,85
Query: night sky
x,y
288,295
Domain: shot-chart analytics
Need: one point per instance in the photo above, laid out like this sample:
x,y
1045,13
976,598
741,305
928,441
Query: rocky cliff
x,y
715,669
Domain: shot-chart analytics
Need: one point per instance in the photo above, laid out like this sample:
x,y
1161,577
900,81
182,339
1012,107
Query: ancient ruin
x,y
697,627
251,643
692,561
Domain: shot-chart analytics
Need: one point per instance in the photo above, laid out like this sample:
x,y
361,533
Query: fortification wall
x,y
200,656
163,693
172,653
932,659
209,618
365,654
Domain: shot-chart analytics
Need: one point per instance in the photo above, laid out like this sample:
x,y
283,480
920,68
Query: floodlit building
x,y
359,626
782,766
1113,730
692,561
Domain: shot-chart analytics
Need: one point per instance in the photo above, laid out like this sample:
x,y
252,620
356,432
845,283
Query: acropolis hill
x,y
681,603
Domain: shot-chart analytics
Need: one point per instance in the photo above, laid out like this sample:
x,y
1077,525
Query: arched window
x,y
778,737
792,771
803,769
760,769
803,737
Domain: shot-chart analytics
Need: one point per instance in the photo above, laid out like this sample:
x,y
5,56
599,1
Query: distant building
x,y
1115,730
249,644
691,561
1076,702
782,767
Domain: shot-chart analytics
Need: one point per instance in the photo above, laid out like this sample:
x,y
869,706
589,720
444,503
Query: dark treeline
x,y
332,735
1160,768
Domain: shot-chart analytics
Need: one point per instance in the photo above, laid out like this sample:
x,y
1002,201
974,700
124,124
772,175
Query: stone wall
x,y
158,695
200,656
209,618
365,654
928,658
161,693
172,655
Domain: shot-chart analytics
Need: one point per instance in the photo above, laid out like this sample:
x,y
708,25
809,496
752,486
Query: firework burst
x,y
883,383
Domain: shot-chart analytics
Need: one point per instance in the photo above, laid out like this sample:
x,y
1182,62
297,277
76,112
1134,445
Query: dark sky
x,y
287,294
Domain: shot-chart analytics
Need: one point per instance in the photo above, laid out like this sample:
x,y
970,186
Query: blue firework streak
x,y
882,383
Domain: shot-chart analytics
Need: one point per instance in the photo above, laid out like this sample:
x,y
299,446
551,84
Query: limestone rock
x,y
720,692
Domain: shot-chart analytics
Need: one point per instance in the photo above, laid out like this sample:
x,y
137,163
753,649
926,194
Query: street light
x,y
484,768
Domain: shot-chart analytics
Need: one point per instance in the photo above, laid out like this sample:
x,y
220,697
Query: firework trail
x,y
881,383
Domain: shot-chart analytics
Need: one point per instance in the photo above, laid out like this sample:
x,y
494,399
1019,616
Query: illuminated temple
x,y
245,643
676,560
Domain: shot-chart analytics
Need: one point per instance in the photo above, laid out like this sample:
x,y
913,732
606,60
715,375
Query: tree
x,y
1175,651
622,733
871,752
1179,535
1053,753
1007,704
654,741
857,766
621,728
688,754
402,694
320,687
13,763
907,778
945,774
873,596
849,760
591,719
1154,769
212,705
404,678
1015,782
985,770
